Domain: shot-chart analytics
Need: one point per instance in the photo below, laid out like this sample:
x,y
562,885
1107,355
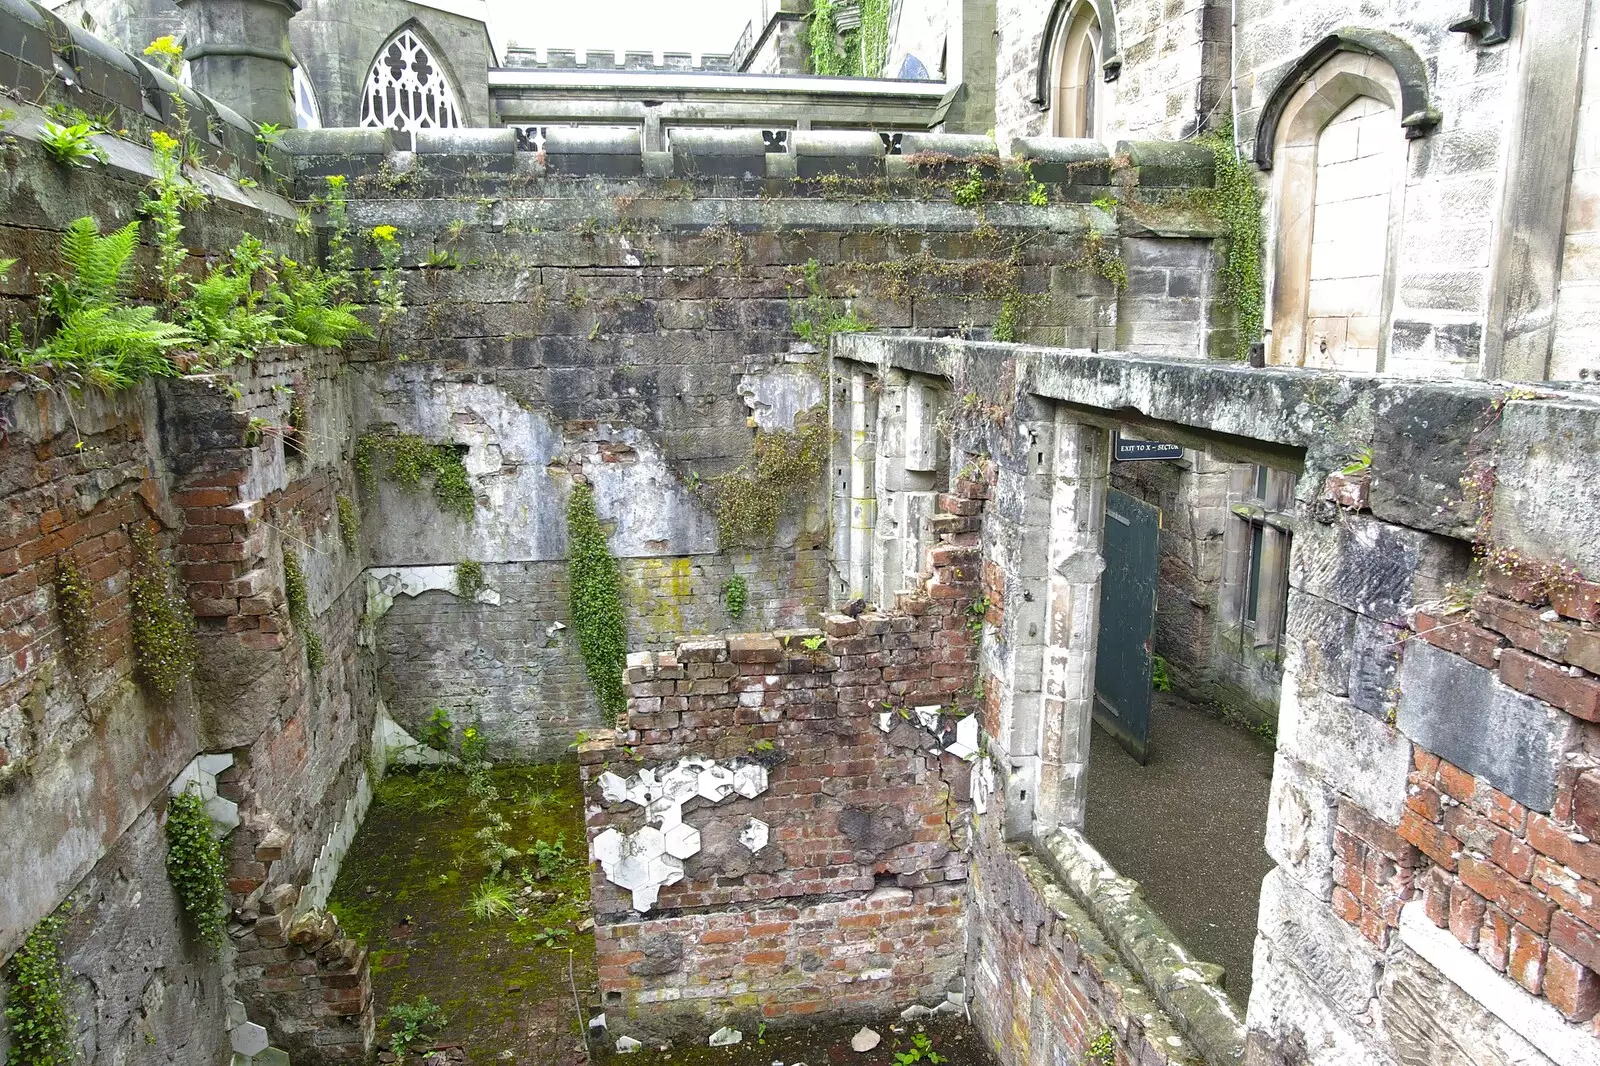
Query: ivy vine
x,y
37,1023
783,463
195,866
163,626
409,460
855,53
1236,201
294,591
595,601
75,608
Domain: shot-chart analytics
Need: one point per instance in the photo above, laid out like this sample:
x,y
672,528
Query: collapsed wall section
x,y
800,851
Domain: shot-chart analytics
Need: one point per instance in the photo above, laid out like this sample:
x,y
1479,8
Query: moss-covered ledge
x,y
1189,991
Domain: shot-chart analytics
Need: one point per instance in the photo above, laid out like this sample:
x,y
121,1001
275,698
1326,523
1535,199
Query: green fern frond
x,y
101,266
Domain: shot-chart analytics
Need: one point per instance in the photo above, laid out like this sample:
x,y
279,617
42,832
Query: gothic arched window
x,y
407,90
307,114
1078,103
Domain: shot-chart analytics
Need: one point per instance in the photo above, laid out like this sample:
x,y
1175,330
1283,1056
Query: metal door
x,y
1127,621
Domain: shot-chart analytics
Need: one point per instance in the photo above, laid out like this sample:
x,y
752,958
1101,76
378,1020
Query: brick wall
x,y
855,906
1514,884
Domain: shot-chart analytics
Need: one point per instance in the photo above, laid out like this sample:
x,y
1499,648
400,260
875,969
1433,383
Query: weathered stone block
x,y
1425,436
1546,497
1336,958
1300,821
1374,568
1362,757
1463,713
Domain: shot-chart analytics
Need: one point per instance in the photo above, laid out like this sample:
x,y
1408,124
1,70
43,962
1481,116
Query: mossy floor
x,y
406,887
951,1040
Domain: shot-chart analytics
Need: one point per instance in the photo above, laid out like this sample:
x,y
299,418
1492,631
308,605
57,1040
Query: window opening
x,y
407,89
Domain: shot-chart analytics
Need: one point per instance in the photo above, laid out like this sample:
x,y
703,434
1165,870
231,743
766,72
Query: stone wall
x,y
641,330
825,880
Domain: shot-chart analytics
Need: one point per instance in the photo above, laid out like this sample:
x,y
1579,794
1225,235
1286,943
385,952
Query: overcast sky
x,y
641,25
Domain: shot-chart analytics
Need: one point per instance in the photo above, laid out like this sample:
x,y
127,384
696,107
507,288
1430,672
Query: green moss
x,y
294,591
405,886
194,863
595,601
75,609
783,465
349,522
469,579
37,1023
1236,202
409,460
163,627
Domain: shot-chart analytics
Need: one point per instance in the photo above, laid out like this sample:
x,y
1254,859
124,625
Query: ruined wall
x,y
826,878
639,330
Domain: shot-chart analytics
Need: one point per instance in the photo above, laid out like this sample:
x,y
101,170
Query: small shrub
x,y
1103,1050
970,190
411,459
1160,677
550,859
71,146
37,1022
413,1023
819,316
469,579
166,53
195,865
438,730
163,627
782,465
735,595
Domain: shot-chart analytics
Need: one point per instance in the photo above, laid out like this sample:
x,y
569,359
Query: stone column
x,y
908,458
970,64
1072,620
239,55
863,499
889,478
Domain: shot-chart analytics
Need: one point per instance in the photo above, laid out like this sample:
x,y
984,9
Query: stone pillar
x,y
1072,623
889,480
970,65
239,55
863,499
907,460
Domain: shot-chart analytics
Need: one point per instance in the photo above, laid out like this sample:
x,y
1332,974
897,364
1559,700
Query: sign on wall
x,y
1129,449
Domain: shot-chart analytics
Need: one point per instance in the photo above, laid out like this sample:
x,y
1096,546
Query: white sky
x,y
641,25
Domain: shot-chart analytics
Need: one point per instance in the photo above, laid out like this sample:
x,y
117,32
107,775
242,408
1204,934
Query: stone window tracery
x,y
407,89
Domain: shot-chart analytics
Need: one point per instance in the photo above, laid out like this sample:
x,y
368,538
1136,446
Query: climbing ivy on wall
x,y
409,460
37,1023
595,601
856,53
782,464
1237,203
75,608
163,627
294,591
194,863
349,522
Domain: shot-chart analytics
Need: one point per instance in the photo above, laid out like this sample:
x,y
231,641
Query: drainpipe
x,y
239,55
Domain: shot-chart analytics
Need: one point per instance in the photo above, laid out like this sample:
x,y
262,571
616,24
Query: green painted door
x,y
1123,656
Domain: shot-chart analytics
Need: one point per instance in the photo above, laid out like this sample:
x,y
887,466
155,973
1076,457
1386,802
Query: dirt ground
x,y
505,983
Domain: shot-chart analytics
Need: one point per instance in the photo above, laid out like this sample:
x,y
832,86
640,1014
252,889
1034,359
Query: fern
x,y
309,304
100,339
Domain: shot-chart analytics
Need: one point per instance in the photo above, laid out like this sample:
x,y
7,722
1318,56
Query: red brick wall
x,y
1518,886
818,922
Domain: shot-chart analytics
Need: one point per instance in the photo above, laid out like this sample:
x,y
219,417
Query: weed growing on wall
x,y
469,579
389,289
783,465
349,521
1237,204
409,460
75,609
818,316
294,592
163,627
735,595
195,866
37,1023
595,602
411,1024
